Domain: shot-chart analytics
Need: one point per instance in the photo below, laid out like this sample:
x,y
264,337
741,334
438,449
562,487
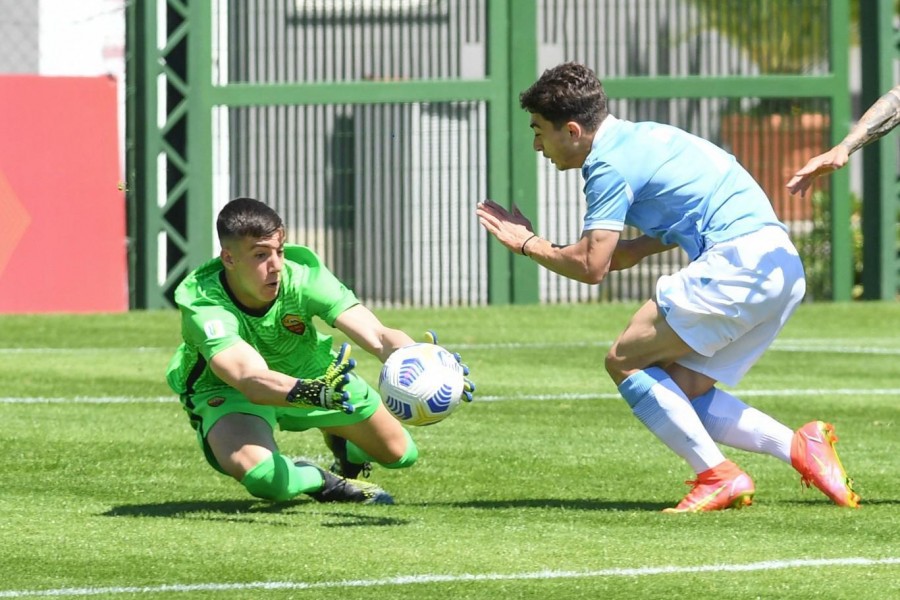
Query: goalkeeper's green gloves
x,y
327,391
468,385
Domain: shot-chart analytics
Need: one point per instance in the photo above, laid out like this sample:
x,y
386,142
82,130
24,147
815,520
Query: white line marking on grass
x,y
783,393
105,350
809,346
846,346
742,393
773,565
90,400
826,347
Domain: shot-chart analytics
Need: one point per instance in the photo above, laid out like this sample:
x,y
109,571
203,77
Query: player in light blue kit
x,y
710,321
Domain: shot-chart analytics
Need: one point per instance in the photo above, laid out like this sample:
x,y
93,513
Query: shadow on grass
x,y
586,505
622,506
826,502
249,511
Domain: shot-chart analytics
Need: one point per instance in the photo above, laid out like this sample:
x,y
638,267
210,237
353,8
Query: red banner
x,y
62,216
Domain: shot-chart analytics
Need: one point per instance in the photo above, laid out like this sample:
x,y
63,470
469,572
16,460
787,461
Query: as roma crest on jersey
x,y
294,324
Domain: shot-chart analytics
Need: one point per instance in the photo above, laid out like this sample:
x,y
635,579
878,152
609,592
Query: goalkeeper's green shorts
x,y
206,408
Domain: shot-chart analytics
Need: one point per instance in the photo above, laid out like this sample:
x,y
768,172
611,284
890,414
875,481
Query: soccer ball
x,y
421,384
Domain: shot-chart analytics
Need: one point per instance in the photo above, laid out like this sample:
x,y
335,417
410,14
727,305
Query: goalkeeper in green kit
x,y
251,360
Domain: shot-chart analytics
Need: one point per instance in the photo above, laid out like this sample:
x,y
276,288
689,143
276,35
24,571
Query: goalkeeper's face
x,y
253,268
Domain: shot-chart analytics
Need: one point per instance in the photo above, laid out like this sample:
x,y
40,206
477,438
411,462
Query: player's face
x,y
562,146
253,269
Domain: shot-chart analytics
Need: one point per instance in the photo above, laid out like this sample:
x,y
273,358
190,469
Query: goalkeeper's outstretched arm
x,y
367,331
244,369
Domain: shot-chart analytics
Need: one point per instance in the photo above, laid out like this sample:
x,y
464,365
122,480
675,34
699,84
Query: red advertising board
x,y
62,215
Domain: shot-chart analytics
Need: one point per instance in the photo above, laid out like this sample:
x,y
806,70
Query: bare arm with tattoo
x,y
881,118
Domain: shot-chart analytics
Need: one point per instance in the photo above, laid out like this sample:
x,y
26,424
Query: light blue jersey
x,y
671,185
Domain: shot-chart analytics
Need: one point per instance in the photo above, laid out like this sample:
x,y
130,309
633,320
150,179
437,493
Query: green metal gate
x,y
880,45
375,127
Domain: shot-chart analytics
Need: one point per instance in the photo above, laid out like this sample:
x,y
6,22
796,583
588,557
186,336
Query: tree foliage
x,y
779,36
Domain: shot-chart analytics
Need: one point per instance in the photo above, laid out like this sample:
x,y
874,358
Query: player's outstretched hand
x,y
468,385
510,227
327,391
830,161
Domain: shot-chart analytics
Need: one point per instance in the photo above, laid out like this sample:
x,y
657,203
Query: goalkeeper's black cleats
x,y
341,466
340,489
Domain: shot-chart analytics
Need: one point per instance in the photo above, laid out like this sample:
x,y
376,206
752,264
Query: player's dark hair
x,y
567,92
246,217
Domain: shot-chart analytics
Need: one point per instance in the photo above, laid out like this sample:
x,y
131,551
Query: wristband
x,y
533,235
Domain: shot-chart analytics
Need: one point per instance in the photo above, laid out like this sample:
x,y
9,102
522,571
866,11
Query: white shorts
x,y
730,303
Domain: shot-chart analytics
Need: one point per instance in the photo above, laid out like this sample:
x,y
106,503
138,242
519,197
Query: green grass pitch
x,y
546,487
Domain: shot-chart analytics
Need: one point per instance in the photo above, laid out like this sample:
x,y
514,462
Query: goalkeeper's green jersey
x,y
212,320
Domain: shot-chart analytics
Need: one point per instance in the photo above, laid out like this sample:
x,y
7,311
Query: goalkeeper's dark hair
x,y
246,217
567,92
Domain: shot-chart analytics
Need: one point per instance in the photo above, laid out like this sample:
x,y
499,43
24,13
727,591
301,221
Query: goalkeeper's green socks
x,y
278,479
358,456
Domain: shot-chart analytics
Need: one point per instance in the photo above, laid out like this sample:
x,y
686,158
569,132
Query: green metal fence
x,y
880,44
375,127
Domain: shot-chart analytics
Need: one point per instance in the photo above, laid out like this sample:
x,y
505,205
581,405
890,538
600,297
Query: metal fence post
x,y
881,193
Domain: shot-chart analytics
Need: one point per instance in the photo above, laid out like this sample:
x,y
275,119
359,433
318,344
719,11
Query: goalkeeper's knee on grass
x,y
278,479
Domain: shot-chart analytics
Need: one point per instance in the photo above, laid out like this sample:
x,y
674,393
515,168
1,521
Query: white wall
x,y
85,38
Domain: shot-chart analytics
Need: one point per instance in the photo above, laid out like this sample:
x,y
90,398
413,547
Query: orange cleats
x,y
723,486
814,456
